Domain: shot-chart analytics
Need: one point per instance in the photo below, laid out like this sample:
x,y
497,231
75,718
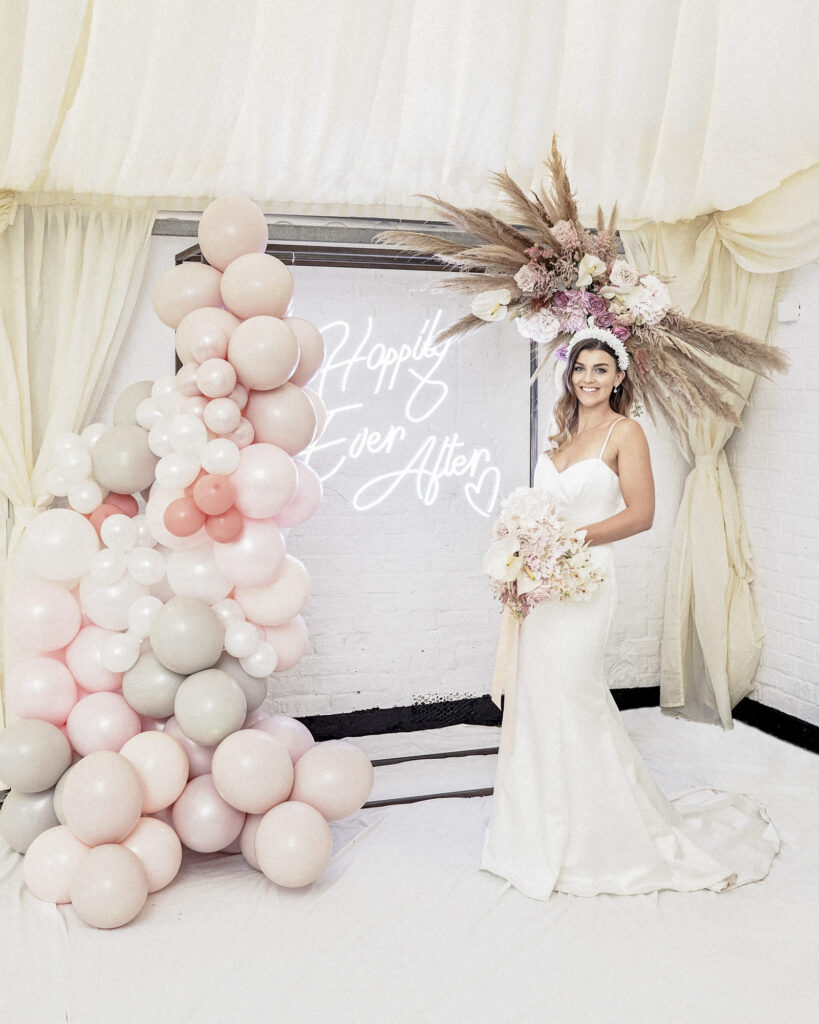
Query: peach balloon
x,y
101,722
214,494
102,798
309,492
280,600
160,499
83,656
203,820
109,887
311,349
41,688
44,616
321,411
125,503
216,378
335,777
252,771
162,766
264,352
256,284
101,513
284,416
199,757
230,227
183,517
184,288
293,844
294,734
289,641
226,528
159,850
208,330
50,863
265,481
256,558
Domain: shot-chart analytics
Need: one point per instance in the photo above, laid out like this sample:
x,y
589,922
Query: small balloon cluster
x,y
153,608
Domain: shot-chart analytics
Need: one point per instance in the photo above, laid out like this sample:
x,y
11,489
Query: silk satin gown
x,y
575,808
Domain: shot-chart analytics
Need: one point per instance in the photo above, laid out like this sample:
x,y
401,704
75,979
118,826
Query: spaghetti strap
x,y
600,456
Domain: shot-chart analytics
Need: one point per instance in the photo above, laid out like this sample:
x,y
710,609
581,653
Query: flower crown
x,y
600,334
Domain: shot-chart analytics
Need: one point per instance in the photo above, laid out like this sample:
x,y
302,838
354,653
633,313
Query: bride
x,y
575,808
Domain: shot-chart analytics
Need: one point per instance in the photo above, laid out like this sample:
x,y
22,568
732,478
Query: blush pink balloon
x,y
335,777
162,765
280,600
43,616
309,492
252,771
101,722
126,503
293,844
256,558
231,227
208,329
199,757
289,641
264,352
83,656
216,378
294,734
321,411
186,380
247,840
265,481
244,434
110,887
203,820
102,798
160,499
41,688
256,284
184,288
183,517
311,349
225,528
284,416
214,494
50,862
159,850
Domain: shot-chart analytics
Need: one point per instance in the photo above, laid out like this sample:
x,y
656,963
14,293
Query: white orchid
x,y
492,305
504,562
589,268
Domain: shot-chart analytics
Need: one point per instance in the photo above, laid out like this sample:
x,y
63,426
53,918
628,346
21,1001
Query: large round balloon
x,y
256,285
33,755
58,544
83,656
51,862
102,798
150,688
24,816
264,352
159,850
41,688
265,481
289,641
42,616
203,820
252,771
254,689
230,227
294,734
123,461
311,349
162,766
186,635
125,407
305,501
199,757
256,558
196,574
280,600
101,721
185,288
158,503
209,706
108,604
205,330
109,887
293,844
284,416
335,777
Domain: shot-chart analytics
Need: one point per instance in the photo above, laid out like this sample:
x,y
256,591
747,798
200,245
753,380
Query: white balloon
x,y
229,611
92,433
118,532
193,573
108,566
108,605
144,537
85,496
222,415
164,392
242,639
57,483
147,413
188,434
243,435
177,470
58,544
119,652
158,437
146,565
220,456
216,378
141,615
239,395
261,663
74,463
186,380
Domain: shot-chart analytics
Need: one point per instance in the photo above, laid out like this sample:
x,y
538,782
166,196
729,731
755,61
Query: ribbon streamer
x,y
506,676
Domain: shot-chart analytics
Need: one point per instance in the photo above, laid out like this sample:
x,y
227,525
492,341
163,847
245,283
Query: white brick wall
x,y
399,609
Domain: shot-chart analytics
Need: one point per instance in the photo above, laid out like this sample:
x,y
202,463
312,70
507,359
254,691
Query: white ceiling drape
x,y
674,109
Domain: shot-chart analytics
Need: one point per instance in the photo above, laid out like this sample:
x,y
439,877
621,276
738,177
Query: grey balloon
x,y
33,755
150,688
255,690
24,816
122,460
58,796
209,706
186,635
125,406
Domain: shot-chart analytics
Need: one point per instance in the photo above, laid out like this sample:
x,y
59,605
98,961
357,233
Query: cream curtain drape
x,y
69,281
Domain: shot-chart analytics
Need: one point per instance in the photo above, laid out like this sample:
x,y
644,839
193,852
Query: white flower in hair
x,y
600,334
589,267
492,305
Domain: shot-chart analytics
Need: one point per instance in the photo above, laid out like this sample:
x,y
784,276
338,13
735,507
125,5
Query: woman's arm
x,y
636,485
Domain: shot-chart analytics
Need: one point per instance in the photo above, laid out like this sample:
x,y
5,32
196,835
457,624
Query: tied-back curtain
x,y
69,279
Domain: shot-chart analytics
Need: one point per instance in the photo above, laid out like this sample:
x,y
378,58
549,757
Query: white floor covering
x,y
403,927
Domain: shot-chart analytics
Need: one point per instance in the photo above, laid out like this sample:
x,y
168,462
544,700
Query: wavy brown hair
x,y
567,406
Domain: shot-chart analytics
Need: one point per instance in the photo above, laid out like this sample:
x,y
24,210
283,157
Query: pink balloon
x,y
186,380
207,329
321,411
265,481
214,494
109,888
203,820
252,771
335,777
41,688
256,285
194,406
244,434
222,415
159,850
101,722
230,227
293,844
226,528
84,659
256,558
102,798
264,352
162,765
311,349
305,501
184,288
158,502
284,416
199,757
50,863
216,378
294,734
289,641
247,839
280,600
43,616
183,518
126,503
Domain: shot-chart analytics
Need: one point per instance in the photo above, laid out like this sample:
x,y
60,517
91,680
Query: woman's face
x,y
594,375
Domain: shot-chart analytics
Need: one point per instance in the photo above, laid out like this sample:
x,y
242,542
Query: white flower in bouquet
x,y
650,300
623,275
492,305
589,268
541,326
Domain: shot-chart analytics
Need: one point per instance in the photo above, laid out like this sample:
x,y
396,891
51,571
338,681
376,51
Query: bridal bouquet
x,y
536,556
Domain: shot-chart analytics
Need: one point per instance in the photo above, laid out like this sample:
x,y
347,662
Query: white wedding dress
x,y
575,808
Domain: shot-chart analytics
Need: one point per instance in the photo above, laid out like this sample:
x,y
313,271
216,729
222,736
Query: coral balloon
x,y
264,352
289,641
183,517
214,494
41,688
101,722
208,330
256,285
265,481
280,600
162,766
203,820
109,887
184,288
230,227
256,558
226,528
311,349
158,502
125,503
51,862
293,844
285,417
335,777
102,798
305,501
100,514
159,850
42,616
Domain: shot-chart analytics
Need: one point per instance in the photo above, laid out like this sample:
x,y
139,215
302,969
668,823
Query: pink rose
x,y
594,303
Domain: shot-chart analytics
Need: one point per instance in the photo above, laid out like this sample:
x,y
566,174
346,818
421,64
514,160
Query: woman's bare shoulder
x,y
630,434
